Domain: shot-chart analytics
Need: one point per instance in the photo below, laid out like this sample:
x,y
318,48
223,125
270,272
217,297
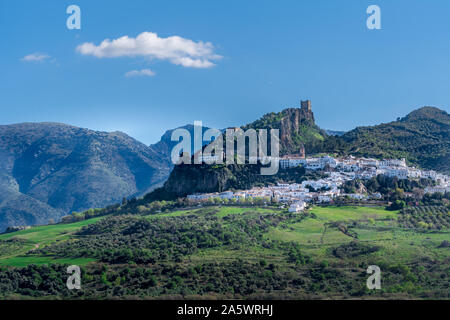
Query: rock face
x,y
50,169
189,179
294,124
298,132
199,179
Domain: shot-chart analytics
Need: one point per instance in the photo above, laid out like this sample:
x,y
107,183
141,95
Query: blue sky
x,y
267,55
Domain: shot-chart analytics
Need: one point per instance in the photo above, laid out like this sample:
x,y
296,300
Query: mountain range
x,y
48,170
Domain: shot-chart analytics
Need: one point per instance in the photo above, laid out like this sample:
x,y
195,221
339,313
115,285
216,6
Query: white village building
x,y
297,206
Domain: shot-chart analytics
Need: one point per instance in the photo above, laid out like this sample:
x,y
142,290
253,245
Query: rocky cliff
x,y
298,132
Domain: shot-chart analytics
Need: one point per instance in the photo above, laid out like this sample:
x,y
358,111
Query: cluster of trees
x,y
396,205
11,245
233,280
402,193
353,249
391,188
34,281
136,239
241,202
425,217
436,198
128,206
421,138
88,214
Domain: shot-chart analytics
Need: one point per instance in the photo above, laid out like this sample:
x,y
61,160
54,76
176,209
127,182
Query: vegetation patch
x,y
425,217
353,249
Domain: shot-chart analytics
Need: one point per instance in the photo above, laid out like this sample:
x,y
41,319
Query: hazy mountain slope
x,y
19,209
334,132
70,168
165,145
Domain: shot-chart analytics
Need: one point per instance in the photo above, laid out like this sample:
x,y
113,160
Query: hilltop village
x,y
337,172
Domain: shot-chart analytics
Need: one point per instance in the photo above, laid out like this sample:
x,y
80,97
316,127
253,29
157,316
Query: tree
x,y
141,209
396,205
399,193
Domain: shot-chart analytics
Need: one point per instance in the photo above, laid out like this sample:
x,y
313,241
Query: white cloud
x,y
35,57
177,50
143,72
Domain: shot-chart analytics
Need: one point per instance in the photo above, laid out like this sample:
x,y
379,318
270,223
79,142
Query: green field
x,y
219,211
22,261
376,226
41,236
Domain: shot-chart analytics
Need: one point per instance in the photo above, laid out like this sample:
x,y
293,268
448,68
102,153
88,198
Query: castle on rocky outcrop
x,y
306,105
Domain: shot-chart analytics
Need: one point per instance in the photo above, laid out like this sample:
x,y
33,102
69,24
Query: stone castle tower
x,y
306,105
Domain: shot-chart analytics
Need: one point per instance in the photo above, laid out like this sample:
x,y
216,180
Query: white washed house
x,y
297,206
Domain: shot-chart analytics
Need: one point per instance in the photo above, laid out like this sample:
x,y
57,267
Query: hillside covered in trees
x,y
422,137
